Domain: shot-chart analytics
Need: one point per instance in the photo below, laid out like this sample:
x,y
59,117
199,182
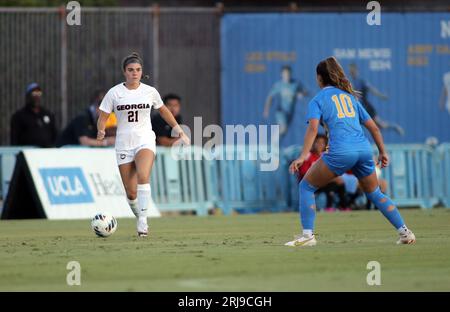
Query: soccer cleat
x,y
302,240
142,227
407,238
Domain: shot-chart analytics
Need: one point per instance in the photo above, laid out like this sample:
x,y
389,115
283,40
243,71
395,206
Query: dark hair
x,y
132,58
286,67
333,74
96,94
171,96
322,136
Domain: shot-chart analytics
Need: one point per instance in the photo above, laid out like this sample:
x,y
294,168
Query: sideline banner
x,y
71,183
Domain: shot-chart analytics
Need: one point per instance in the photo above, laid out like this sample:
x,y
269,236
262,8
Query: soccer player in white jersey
x,y
132,102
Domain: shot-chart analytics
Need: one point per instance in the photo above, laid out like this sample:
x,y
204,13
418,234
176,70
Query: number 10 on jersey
x,y
133,116
344,105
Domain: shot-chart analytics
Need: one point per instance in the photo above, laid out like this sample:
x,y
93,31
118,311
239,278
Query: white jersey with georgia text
x,y
132,109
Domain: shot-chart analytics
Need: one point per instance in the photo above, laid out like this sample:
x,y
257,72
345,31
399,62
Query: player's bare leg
x,y
129,179
370,186
144,162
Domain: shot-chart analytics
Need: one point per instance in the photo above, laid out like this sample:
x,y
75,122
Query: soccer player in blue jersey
x,y
288,91
337,107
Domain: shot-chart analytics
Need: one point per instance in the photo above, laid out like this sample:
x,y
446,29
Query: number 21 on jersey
x,y
344,105
133,116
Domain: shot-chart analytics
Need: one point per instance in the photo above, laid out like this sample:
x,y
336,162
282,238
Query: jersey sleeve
x,y
157,101
362,113
107,104
314,111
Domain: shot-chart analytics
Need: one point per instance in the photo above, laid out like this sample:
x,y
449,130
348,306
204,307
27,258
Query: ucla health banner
x,y
269,60
77,183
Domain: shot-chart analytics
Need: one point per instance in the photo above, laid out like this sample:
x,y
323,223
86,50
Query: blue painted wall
x,y
405,57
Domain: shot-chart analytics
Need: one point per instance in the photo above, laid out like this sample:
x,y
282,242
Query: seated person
x,y
334,187
161,127
82,130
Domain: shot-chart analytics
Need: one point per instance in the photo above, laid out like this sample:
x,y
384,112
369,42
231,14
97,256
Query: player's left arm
x,y
376,92
310,136
168,117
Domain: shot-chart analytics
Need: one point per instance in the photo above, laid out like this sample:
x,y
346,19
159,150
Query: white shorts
x,y
127,156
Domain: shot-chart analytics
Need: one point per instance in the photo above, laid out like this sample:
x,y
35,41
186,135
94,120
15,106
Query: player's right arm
x,y
268,102
105,109
101,125
267,106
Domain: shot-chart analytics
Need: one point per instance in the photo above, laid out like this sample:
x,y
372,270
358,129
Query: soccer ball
x,y
103,224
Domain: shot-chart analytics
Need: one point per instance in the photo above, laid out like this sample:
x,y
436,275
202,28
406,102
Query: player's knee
x,y
375,195
143,178
131,192
131,195
304,186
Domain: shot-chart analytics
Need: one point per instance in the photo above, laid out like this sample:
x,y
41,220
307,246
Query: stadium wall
x,y
406,57
180,48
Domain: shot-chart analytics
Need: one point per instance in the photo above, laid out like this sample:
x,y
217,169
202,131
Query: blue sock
x,y
387,207
307,205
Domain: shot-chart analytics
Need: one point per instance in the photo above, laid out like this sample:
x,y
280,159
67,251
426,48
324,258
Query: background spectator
x,y
336,186
33,124
161,127
82,130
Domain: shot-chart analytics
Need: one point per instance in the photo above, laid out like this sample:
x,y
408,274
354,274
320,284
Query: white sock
x,y
402,230
134,206
143,196
308,233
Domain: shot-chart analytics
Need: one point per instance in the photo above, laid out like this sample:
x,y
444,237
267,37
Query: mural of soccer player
x,y
445,95
288,90
365,88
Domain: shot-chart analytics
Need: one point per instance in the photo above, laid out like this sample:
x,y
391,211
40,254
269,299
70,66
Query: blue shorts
x,y
361,163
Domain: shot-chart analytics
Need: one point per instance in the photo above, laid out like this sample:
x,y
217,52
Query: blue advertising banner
x,y
402,66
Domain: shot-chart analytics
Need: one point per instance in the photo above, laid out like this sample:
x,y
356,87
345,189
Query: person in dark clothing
x,y
161,127
365,89
82,130
33,124
336,186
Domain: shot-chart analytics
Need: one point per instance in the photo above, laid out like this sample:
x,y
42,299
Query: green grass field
x,y
236,253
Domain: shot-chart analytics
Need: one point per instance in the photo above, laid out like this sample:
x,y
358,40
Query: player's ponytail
x,y
333,74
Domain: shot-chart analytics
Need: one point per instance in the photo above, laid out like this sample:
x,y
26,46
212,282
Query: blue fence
x,y
443,170
242,185
182,181
419,175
